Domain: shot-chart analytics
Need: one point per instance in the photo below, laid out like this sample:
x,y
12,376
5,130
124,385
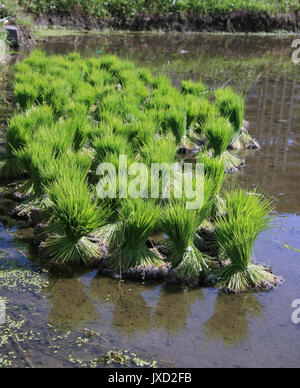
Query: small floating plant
x,y
74,113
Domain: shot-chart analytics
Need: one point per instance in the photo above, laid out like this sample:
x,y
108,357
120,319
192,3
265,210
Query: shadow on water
x,y
183,327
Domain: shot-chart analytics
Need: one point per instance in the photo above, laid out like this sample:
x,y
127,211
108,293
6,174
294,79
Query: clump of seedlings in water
x,y
75,113
248,214
219,133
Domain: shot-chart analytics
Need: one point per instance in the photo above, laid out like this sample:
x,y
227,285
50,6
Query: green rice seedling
x,y
110,144
73,57
145,76
206,112
74,109
57,95
75,164
138,220
140,132
125,78
77,217
85,94
110,104
248,214
99,78
39,163
214,169
175,121
219,133
20,129
58,138
180,225
194,88
136,92
162,84
160,149
37,61
26,94
77,129
231,105
193,110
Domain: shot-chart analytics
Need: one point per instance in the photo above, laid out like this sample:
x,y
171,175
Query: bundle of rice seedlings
x,y
85,94
76,218
248,214
39,163
219,133
20,129
194,88
77,128
160,149
162,84
231,105
26,94
58,138
175,121
140,133
145,76
109,104
181,225
138,220
206,112
193,109
110,144
57,94
214,169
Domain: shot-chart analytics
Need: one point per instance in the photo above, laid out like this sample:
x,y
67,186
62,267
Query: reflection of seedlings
x,y
229,323
131,312
71,306
174,307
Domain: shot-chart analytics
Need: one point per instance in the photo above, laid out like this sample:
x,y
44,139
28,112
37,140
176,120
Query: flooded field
x,y
61,321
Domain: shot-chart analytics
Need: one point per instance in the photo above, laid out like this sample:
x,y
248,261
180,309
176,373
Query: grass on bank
x,y
126,9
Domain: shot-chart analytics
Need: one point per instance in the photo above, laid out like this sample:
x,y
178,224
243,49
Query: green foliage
x,y
125,9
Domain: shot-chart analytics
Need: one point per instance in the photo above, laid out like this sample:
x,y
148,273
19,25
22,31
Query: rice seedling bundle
x,y
248,214
77,217
181,225
231,105
194,88
219,133
138,220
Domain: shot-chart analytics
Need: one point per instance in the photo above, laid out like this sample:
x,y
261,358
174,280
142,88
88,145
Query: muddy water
x,y
178,326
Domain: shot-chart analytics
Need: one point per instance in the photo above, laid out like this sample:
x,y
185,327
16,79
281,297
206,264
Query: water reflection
x,y
71,306
230,320
174,307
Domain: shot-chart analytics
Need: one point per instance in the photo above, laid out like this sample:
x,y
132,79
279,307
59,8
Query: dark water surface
x,y
177,326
